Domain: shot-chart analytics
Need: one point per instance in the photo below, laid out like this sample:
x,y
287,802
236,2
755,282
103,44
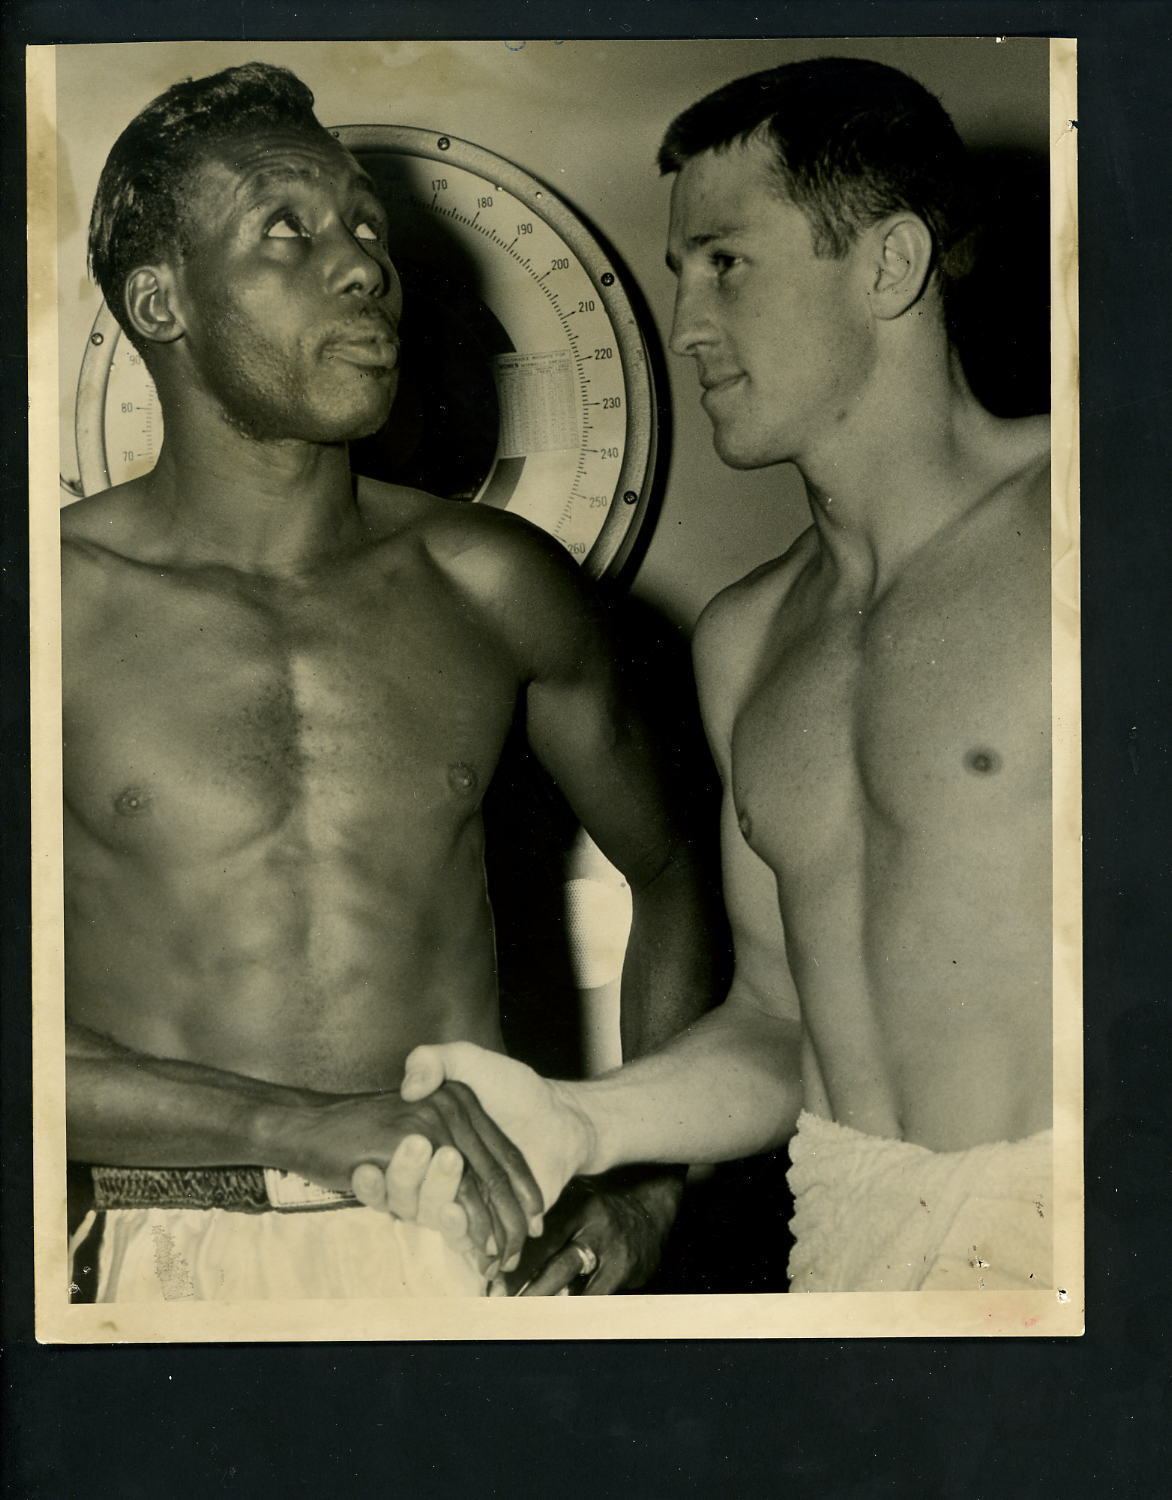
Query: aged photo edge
x,y
1057,1312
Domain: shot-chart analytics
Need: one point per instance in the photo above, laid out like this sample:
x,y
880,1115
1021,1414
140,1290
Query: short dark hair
x,y
852,142
139,208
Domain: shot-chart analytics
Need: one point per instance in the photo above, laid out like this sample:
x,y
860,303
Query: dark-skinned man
x,y
285,694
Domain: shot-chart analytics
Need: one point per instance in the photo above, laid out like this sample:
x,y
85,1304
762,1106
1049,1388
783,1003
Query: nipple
x,y
131,802
745,824
462,777
983,762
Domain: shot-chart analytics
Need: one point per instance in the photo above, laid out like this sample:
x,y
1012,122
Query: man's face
x,y
781,337
289,301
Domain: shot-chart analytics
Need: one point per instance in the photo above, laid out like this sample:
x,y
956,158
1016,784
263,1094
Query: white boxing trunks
x,y
305,1243
878,1215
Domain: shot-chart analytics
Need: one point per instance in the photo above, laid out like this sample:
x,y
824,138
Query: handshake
x,y
491,1173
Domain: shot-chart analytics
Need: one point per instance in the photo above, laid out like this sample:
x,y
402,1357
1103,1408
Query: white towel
x,y
879,1215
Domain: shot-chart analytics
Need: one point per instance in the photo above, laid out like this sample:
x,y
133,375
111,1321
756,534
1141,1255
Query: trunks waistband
x,y
249,1190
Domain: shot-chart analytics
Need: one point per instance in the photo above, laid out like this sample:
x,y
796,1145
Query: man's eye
x,y
723,262
366,231
287,227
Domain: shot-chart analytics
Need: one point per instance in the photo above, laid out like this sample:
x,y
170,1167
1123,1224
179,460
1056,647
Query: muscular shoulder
x,y
103,521
98,544
734,630
522,583
1012,521
755,597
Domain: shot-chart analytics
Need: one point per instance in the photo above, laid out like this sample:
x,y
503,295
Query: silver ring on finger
x,y
587,1257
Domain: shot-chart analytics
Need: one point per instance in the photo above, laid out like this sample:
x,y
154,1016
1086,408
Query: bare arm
x,y
730,1085
585,724
126,1108
132,1110
587,727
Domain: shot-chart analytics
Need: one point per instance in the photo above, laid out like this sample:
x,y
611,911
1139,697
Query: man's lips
x,y
374,351
714,385
718,382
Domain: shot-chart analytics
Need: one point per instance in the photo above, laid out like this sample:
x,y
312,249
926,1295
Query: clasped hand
x,y
480,1191
601,1236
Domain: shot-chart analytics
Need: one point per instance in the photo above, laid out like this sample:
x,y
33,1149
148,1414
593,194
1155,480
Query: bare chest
x,y
918,720
201,715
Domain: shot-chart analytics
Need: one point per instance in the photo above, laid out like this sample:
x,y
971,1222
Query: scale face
x,y
525,377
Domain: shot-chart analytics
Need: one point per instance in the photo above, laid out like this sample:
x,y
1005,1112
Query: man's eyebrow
x,y
362,182
263,180
699,240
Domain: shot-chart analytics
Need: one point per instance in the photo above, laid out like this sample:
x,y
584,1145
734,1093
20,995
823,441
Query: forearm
x,y
672,971
126,1108
671,977
728,1087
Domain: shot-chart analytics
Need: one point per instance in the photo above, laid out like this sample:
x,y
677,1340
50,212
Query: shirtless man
x,y
285,695
878,702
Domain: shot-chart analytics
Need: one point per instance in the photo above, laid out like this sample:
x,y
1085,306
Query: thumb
x,y
423,1072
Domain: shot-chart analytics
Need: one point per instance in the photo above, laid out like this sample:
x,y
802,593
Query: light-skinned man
x,y
877,699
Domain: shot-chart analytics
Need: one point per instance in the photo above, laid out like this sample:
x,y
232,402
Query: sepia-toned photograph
x,y
555,689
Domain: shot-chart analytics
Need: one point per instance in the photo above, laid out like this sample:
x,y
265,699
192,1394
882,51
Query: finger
x,y
482,1231
405,1171
440,1185
426,1068
451,1222
521,1179
608,1279
423,1072
561,1270
486,1226
463,1116
368,1184
453,1225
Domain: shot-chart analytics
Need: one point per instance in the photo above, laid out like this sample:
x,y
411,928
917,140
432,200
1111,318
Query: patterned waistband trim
x,y
249,1190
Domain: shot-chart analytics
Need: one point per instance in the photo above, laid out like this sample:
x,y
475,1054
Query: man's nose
x,y
689,326
360,268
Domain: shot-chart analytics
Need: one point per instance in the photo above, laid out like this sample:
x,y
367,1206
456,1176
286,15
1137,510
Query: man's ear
x,y
901,260
151,304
